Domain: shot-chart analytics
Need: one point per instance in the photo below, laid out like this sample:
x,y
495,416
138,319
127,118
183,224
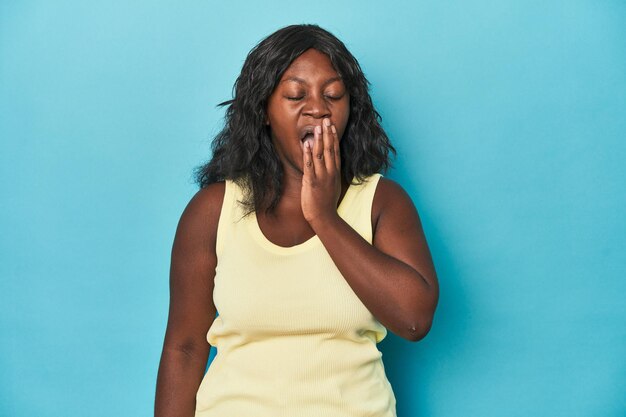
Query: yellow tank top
x,y
292,337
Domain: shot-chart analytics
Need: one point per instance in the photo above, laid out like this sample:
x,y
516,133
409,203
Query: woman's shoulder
x,y
390,188
389,191
201,215
390,198
208,200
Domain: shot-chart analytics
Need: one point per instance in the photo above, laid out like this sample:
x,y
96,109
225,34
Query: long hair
x,y
243,151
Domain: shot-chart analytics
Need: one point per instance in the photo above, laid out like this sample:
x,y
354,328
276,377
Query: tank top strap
x,y
228,215
356,206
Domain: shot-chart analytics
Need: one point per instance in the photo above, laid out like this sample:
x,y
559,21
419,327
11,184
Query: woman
x,y
308,254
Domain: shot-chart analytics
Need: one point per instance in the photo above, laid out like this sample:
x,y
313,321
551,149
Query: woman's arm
x,y
394,277
191,310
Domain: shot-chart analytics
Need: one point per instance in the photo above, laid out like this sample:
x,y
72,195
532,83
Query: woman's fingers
x,y
321,183
325,151
307,168
318,152
329,147
337,156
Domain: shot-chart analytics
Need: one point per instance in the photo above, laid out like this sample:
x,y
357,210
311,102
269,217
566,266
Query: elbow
x,y
416,332
420,320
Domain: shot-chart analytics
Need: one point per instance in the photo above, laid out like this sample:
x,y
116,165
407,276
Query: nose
x,y
316,107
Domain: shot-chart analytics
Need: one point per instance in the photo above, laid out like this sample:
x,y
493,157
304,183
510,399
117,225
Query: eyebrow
x,y
301,81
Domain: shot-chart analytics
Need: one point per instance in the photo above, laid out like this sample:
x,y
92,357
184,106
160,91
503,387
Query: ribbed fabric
x,y
292,337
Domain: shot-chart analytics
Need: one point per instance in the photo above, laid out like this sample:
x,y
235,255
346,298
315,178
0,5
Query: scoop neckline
x,y
310,242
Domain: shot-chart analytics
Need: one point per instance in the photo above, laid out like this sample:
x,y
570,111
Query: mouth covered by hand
x,y
307,134
321,167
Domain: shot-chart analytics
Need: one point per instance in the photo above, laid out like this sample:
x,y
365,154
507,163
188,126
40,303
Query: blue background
x,y
510,121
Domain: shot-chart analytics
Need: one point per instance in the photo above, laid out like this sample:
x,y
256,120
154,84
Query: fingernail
x,y
327,122
333,129
318,129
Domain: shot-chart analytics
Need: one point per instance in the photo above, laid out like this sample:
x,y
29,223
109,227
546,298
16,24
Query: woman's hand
x,y
321,182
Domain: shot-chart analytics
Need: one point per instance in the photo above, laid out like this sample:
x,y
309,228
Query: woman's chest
x,y
290,230
304,292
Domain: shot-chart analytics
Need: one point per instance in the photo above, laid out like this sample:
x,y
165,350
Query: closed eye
x,y
301,97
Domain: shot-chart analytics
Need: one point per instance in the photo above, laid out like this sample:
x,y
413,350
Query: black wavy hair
x,y
243,151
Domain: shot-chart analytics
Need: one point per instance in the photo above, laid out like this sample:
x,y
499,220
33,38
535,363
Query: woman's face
x,y
309,91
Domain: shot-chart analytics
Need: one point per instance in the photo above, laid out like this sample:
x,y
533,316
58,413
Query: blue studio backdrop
x,y
510,123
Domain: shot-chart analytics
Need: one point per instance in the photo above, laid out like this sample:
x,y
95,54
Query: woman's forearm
x,y
396,294
179,377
